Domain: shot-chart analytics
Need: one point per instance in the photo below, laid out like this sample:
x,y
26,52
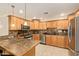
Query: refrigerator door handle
x,y
69,33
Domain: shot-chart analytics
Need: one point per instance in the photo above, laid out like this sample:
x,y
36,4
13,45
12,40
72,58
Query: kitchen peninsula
x,y
19,47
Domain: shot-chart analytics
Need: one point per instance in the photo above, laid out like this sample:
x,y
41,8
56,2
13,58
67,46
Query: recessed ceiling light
x,y
62,14
45,12
20,11
34,17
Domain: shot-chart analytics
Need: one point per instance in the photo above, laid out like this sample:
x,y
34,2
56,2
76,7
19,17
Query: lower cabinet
x,y
66,42
61,41
48,40
30,52
36,37
55,40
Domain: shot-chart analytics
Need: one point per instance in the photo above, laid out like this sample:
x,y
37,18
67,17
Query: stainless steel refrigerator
x,y
73,33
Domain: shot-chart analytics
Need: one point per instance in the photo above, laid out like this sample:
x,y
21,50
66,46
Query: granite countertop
x,y
18,47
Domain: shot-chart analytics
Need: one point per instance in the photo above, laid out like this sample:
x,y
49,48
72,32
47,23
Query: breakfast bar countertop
x,y
18,47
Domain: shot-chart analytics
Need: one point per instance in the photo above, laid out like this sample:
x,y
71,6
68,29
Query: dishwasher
x,y
42,39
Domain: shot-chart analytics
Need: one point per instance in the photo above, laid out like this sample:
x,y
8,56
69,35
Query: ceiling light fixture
x,y
34,17
46,12
13,25
25,23
62,14
21,11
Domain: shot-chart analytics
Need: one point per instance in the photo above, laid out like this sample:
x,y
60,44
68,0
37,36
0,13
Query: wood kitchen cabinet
x,y
61,41
36,37
48,39
66,42
48,24
42,25
71,17
34,25
54,24
66,24
51,24
62,24
15,22
55,40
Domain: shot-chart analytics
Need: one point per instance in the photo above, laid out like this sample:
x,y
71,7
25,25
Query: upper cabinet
x,y
62,24
51,24
48,24
42,25
59,24
70,17
37,25
34,24
16,22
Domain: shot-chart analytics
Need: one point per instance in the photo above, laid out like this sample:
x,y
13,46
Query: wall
x,y
4,26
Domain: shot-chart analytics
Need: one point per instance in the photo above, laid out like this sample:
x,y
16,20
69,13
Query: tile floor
x,y
46,50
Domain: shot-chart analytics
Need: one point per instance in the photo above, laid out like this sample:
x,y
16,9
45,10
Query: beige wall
x,y
3,26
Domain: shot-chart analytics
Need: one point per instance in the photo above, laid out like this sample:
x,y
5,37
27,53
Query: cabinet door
x,y
42,25
62,24
36,24
48,39
54,40
61,41
13,23
54,24
66,42
48,24
65,24
71,17
36,37
32,25
16,21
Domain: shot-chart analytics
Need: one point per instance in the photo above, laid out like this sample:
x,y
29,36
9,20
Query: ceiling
x,y
39,10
